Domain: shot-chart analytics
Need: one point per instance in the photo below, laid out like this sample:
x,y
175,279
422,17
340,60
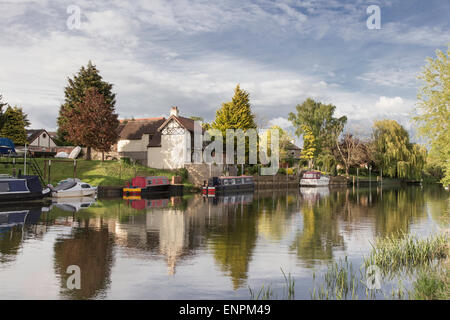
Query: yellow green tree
x,y
309,151
394,153
433,108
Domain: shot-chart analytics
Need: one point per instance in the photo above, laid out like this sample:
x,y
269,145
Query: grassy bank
x,y
96,172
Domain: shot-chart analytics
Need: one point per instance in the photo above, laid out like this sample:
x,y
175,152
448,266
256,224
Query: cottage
x,y
40,138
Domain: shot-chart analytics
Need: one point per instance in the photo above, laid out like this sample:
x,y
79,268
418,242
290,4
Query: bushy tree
x,y
433,107
352,151
14,124
309,151
87,77
92,123
318,118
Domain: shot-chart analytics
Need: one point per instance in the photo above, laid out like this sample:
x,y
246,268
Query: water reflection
x,y
238,236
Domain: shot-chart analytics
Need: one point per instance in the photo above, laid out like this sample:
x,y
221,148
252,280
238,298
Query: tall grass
x,y
393,254
432,283
266,293
340,282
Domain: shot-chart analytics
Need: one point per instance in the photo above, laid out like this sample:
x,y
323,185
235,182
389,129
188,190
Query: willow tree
x,y
433,107
394,153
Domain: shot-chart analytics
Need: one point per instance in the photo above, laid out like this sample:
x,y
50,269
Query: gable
x,y
173,127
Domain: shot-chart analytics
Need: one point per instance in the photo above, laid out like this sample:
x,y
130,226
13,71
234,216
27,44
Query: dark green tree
x,y
15,122
87,77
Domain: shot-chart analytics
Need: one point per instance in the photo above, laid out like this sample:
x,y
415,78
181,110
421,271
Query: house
x,y
293,151
40,138
158,142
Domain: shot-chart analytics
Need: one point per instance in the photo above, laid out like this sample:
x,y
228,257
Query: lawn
x,y
95,172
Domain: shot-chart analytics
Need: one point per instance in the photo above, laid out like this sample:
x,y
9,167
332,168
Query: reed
x,y
406,252
432,283
266,293
341,282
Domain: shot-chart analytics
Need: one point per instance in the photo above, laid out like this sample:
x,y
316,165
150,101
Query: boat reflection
x,y
74,204
231,199
313,194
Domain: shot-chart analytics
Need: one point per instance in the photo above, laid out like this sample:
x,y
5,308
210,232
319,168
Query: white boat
x,y
73,204
314,179
73,188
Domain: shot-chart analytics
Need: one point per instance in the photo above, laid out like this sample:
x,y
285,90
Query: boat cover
x,y
65,185
6,146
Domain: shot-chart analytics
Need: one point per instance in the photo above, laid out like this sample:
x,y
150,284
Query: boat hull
x,y
75,193
19,197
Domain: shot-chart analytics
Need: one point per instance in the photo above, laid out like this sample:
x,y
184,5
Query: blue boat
x,y
7,146
22,188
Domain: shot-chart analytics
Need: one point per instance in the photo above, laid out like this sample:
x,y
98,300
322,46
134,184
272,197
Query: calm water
x,y
196,248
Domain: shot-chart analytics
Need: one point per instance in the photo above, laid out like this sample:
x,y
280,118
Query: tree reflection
x,y
90,248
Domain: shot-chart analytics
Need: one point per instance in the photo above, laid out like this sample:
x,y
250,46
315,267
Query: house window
x,y
44,135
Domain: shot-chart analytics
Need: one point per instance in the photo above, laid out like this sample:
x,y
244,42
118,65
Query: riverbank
x,y
107,173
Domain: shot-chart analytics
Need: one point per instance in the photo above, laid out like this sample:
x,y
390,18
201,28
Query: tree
x,y
394,154
92,123
14,124
309,151
319,120
284,141
433,107
236,114
351,151
87,77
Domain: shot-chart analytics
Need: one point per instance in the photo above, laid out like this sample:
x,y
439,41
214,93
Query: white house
x,y
158,142
40,138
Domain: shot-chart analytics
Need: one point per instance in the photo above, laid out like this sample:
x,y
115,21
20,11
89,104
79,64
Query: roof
x,y
291,146
186,123
134,129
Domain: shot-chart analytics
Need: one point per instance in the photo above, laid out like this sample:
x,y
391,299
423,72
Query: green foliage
x,y
309,151
394,154
87,77
434,111
432,284
318,119
14,124
235,114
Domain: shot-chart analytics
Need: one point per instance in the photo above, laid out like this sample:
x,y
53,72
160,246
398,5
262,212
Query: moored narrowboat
x,y
228,184
22,188
147,185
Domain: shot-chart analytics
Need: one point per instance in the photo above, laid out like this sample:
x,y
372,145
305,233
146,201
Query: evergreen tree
x,y
87,77
93,123
236,114
14,124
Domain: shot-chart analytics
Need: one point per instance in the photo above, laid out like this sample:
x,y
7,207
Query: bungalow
x,y
158,142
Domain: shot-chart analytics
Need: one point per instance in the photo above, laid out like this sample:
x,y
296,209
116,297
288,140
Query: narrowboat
x,y
227,184
147,185
314,179
22,188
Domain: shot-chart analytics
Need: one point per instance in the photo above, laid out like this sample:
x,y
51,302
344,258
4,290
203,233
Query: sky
x,y
192,54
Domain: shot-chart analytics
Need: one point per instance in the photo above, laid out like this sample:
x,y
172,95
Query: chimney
x,y
174,111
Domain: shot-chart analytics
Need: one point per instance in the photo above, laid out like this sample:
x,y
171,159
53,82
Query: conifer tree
x,y
87,77
14,124
236,114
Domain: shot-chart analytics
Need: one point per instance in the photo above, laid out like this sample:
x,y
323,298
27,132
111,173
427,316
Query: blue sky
x,y
193,53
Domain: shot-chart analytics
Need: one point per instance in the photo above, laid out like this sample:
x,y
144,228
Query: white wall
x,y
172,153
125,145
43,142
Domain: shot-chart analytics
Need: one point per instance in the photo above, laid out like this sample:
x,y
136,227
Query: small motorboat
x,y
314,179
22,188
228,184
70,188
